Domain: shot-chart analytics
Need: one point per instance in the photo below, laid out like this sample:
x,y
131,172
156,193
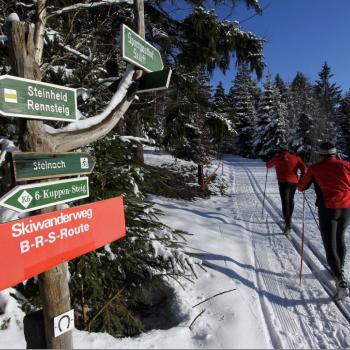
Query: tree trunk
x,y
53,284
201,176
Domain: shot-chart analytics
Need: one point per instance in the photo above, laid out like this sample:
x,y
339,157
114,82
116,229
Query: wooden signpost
x,y
31,197
25,98
35,166
38,243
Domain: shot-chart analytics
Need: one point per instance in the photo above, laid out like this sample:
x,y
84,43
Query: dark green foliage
x,y
328,95
210,42
343,121
303,115
185,134
241,96
218,120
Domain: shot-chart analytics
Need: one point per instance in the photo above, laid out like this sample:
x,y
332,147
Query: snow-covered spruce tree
x,y
185,134
281,86
303,114
242,99
328,95
218,120
264,116
276,131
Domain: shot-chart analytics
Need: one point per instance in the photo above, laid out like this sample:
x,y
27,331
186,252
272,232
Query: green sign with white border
x,y
138,51
35,166
31,197
25,98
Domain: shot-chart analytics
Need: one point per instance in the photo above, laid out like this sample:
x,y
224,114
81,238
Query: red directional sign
x,y
36,244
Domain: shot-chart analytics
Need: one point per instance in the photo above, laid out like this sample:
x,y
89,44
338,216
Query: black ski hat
x,y
327,148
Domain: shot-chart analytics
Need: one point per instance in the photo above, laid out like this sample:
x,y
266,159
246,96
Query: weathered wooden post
x,y
24,61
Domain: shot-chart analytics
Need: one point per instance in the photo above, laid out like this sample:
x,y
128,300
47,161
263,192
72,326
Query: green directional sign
x,y
138,51
32,197
155,81
35,166
33,99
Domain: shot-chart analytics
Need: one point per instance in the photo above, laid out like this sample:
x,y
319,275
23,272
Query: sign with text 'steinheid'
x,y
38,243
31,197
138,51
35,166
25,98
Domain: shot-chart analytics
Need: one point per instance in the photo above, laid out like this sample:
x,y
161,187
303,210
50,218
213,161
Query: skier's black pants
x,y
333,223
287,192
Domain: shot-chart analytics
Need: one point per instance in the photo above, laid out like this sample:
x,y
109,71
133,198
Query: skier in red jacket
x,y
287,166
331,179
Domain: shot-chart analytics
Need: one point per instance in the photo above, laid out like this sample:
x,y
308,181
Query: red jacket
x,y
332,177
287,166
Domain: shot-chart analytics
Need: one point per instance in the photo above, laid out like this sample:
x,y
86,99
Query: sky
x,y
300,36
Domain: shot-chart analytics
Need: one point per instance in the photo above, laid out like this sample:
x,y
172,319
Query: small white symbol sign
x,y
63,323
25,199
84,163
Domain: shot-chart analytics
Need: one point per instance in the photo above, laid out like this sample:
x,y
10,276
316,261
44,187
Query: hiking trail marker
x,y
31,197
138,51
35,166
25,98
38,243
154,81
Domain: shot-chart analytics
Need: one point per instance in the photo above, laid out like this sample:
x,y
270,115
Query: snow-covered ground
x,y
251,268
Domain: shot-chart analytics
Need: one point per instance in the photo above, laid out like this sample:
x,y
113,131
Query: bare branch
x,y
200,314
88,6
227,291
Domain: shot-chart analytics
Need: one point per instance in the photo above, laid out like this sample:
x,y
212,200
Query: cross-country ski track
x,y
295,315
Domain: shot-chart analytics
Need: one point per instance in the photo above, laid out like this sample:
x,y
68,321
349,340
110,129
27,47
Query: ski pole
x,y
262,211
312,212
302,240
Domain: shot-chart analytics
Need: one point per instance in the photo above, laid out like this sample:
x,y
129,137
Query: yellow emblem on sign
x,y
10,95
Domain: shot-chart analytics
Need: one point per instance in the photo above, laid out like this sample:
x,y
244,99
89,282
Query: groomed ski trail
x,y
298,316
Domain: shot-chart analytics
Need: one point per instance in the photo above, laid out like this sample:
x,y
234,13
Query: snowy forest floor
x,y
242,248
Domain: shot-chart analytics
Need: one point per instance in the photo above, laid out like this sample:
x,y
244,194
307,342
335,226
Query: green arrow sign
x,y
26,98
155,81
32,197
34,166
138,51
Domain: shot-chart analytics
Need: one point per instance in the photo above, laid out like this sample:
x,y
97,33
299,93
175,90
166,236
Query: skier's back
x,y
331,179
287,166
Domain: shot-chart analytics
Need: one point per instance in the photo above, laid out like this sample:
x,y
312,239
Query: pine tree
x,y
244,110
264,117
217,119
303,113
276,132
328,94
281,87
